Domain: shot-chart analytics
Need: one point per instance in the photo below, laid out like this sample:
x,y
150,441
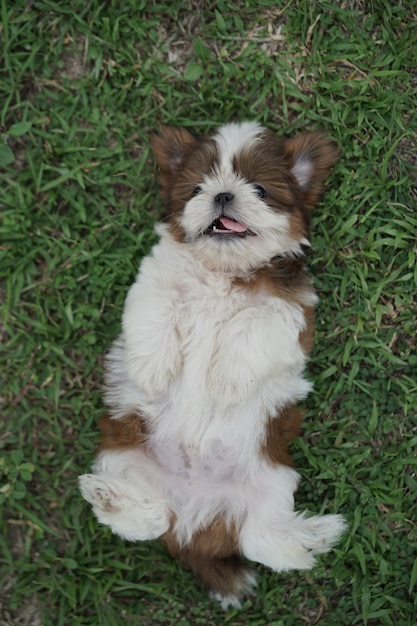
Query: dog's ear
x,y
170,146
311,157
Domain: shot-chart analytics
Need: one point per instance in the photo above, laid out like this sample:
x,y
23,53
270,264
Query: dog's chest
x,y
223,349
207,305
203,310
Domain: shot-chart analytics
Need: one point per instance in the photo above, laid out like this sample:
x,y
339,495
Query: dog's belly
x,y
183,464
197,486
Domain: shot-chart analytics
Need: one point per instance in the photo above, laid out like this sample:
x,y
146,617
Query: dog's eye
x,y
260,191
196,191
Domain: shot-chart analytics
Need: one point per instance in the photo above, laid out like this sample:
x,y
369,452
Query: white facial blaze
x,y
232,139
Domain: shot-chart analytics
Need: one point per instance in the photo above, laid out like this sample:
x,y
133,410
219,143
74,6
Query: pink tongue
x,y
232,225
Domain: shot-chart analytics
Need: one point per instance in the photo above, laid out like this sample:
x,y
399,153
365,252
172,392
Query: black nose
x,y
224,198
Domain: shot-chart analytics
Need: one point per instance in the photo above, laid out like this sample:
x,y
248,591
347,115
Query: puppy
x,y
203,382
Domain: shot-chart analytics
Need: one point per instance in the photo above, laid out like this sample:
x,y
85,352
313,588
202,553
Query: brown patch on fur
x,y
322,153
213,557
280,431
183,161
306,337
122,434
270,164
266,164
285,277
170,147
299,224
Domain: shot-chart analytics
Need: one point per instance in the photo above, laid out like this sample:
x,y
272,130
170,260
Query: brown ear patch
x,y
170,147
311,157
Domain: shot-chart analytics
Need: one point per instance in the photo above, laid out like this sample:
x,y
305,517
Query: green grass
x,y
81,86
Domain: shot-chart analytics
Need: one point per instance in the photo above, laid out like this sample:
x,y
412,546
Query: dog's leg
x,y
152,345
135,513
276,536
255,346
212,556
292,544
122,492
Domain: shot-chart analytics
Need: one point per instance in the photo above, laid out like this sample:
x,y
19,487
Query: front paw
x,y
153,374
230,385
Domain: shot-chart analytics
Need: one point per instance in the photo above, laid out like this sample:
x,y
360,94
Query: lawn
x,y
82,85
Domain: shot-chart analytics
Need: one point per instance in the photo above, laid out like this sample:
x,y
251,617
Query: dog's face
x,y
242,196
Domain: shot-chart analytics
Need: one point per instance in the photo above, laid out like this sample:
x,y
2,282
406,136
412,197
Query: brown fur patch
x,y
306,338
213,557
183,161
280,431
122,434
269,163
216,540
322,153
285,277
266,164
170,147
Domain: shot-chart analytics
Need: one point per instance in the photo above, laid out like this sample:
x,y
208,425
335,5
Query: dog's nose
x,y
224,198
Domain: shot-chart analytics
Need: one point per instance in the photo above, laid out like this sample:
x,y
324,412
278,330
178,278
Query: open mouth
x,y
225,226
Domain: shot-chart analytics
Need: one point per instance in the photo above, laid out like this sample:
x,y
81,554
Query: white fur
x,y
233,138
233,356
302,170
238,256
131,509
274,535
208,363
228,359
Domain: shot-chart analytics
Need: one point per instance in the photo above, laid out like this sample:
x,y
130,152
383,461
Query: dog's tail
x,y
213,558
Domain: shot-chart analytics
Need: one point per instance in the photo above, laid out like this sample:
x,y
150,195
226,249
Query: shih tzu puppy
x,y
203,383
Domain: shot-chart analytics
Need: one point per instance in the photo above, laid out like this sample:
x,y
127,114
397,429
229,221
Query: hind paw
x,y
135,513
97,493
